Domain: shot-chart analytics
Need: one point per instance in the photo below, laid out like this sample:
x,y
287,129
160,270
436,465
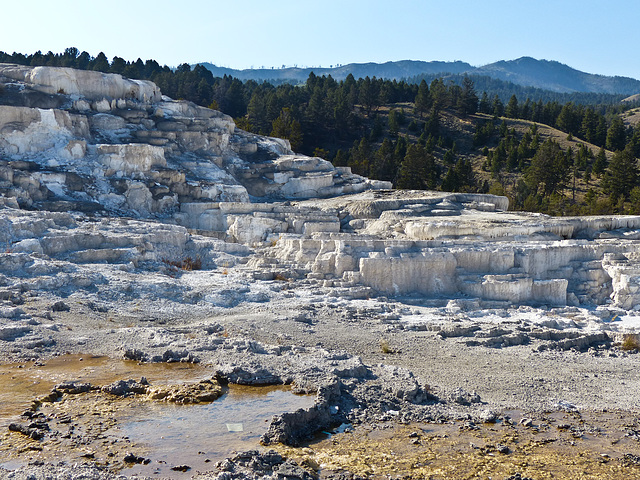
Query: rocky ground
x,y
378,363
439,335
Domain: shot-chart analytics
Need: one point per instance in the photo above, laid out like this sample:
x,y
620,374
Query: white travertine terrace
x,y
103,144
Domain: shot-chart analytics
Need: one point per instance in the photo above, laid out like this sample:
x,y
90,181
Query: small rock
x,y
488,416
181,468
33,433
526,422
131,458
501,448
60,306
463,397
518,476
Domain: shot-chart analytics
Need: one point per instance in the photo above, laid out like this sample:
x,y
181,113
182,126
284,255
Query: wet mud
x,y
79,409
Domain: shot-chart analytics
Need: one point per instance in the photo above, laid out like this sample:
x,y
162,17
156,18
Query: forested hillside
x,y
553,157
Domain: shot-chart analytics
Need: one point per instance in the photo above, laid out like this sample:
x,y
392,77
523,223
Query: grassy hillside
x,y
581,192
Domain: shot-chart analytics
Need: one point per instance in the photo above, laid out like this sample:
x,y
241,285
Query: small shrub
x,y
274,241
629,343
385,347
186,264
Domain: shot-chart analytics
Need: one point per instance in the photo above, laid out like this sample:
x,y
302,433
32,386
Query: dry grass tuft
x,y
385,347
629,343
188,264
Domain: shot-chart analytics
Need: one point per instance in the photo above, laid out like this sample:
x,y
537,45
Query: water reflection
x,y
198,435
171,434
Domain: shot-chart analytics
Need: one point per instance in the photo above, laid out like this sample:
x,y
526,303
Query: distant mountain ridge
x,y
557,77
387,70
525,71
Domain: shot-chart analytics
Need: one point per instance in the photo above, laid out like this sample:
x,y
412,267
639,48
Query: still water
x,y
169,434
200,435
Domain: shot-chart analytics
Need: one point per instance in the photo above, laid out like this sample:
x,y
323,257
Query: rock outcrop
x,y
443,246
103,145
90,141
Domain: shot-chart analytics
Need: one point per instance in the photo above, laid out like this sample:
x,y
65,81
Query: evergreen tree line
x,y
395,130
505,90
330,112
602,127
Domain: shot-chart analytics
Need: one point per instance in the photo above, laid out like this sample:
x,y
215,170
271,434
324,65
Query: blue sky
x,y
593,36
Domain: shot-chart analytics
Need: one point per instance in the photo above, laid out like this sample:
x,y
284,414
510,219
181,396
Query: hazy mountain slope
x,y
525,71
557,77
389,70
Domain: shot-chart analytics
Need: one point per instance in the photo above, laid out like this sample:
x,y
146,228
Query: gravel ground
x,y
301,334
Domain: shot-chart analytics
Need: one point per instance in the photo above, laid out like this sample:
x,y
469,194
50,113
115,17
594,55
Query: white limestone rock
x,y
105,122
32,130
427,273
74,150
131,157
139,198
252,230
83,83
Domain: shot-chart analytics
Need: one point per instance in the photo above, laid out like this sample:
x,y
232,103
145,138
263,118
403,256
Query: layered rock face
x,y
104,142
101,145
464,246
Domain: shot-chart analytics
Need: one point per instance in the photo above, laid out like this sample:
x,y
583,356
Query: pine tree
x,y
634,142
257,112
498,107
285,126
377,130
512,107
423,99
616,134
369,95
393,122
459,178
484,106
400,150
361,157
467,103
118,65
569,119
101,64
601,163
432,125
439,94
589,126
621,175
450,181
417,170
384,167
341,159
525,111
601,132
233,101
466,177
548,172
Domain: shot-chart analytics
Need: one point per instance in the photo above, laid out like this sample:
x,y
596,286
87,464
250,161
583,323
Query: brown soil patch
x,y
558,445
